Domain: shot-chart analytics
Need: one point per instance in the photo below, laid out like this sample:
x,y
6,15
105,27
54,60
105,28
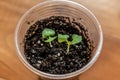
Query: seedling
x,y
49,35
64,38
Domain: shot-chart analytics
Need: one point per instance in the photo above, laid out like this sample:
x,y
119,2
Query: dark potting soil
x,y
54,60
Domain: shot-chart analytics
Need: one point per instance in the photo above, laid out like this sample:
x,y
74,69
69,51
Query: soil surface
x,y
54,60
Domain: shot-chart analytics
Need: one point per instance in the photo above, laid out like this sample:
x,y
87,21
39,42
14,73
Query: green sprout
x,y
64,38
48,33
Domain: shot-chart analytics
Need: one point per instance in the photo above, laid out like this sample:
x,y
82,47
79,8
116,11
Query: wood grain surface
x,y
107,66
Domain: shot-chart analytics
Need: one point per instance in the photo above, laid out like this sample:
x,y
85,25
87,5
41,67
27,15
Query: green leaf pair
x,y
64,38
48,33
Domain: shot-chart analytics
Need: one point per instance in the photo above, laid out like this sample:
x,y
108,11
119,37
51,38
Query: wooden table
x,y
107,66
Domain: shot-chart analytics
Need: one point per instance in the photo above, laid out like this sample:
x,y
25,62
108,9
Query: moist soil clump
x,y
54,60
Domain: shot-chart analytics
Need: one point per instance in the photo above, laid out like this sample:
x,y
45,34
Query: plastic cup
x,y
59,8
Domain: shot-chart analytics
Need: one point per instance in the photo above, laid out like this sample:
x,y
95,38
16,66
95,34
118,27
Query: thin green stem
x,y
68,46
50,44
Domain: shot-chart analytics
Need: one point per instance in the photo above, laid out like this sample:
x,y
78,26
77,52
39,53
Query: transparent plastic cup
x,y
59,8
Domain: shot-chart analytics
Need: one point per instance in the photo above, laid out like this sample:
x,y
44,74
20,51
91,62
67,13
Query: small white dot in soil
x,y
33,51
34,45
37,65
33,32
61,58
41,44
33,55
83,59
39,62
77,46
58,54
38,42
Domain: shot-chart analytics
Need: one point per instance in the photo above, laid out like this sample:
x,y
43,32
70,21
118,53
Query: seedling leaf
x,y
47,32
62,38
76,39
50,39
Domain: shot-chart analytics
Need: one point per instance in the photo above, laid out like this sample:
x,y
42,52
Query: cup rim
x,y
60,76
